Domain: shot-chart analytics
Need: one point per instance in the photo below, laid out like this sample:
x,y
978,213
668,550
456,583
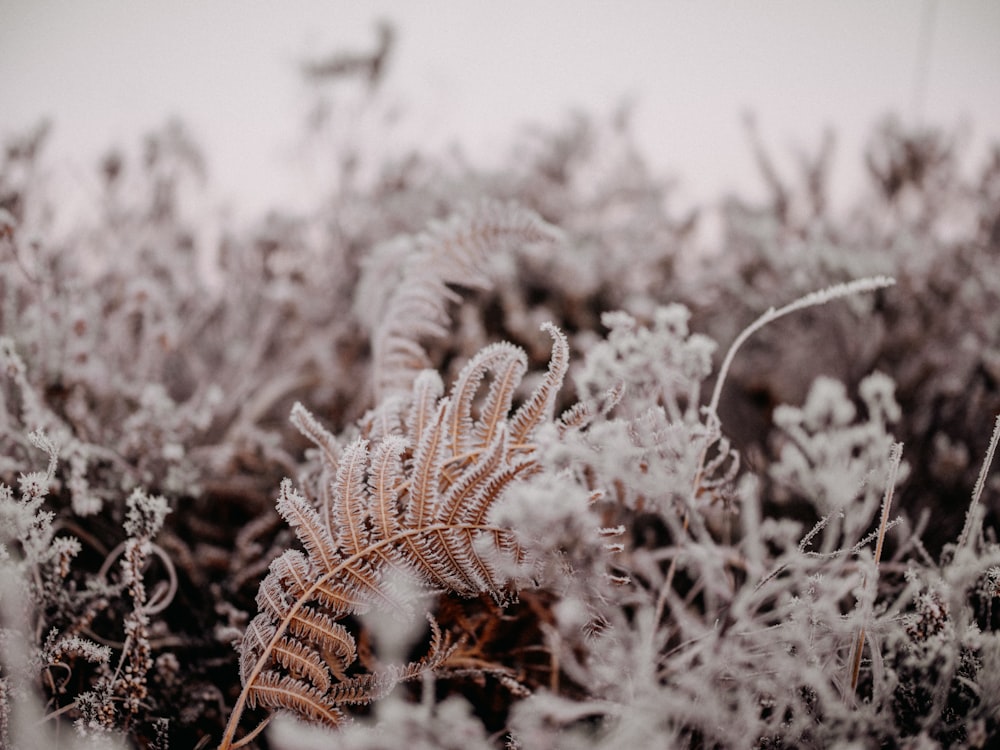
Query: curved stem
x,y
820,297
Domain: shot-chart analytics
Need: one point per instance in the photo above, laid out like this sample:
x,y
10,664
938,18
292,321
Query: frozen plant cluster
x,y
792,546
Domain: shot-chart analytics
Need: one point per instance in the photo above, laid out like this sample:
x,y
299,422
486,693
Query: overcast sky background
x,y
470,72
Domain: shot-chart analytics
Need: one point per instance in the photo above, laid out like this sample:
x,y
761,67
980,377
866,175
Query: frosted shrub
x,y
620,534
662,365
830,458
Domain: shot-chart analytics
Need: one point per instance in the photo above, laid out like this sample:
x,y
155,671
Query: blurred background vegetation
x,y
162,357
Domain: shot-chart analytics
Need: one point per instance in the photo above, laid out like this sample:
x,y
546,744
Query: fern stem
x,y
250,736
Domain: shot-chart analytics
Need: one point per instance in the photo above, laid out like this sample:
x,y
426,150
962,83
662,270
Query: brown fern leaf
x,y
272,690
539,407
339,649
416,501
309,426
453,252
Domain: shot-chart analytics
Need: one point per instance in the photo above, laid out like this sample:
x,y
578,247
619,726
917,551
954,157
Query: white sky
x,y
469,72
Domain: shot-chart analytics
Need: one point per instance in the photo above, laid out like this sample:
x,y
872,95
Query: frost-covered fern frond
x,y
417,503
453,252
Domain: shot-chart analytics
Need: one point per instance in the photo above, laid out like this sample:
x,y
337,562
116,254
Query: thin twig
x,y
895,457
821,297
980,484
